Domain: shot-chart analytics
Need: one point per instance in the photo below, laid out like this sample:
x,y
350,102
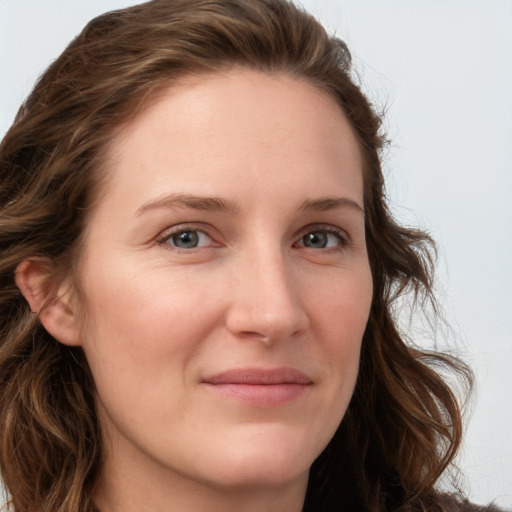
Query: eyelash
x,y
177,230
341,234
343,238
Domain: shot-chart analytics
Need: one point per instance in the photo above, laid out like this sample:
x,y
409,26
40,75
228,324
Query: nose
x,y
265,299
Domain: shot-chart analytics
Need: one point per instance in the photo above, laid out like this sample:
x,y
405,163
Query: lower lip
x,y
261,395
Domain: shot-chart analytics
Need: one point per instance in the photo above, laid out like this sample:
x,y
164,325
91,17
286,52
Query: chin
x,y
262,473
272,458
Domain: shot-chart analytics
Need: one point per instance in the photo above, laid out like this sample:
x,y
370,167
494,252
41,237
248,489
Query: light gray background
x,y
443,69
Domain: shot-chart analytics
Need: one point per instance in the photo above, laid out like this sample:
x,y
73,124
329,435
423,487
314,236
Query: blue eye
x,y
188,239
323,239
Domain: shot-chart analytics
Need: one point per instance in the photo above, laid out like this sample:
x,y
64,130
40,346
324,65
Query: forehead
x,y
239,125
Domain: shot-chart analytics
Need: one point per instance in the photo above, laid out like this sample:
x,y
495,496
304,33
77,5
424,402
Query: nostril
x,y
256,336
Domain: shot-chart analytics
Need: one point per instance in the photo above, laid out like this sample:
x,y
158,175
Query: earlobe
x,y
53,304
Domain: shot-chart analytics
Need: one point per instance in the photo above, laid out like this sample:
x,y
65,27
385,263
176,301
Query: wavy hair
x,y
403,425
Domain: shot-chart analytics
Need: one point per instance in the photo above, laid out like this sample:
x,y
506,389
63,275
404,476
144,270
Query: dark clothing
x,y
449,503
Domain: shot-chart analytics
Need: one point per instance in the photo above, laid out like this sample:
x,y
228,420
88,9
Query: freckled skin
x,y
265,284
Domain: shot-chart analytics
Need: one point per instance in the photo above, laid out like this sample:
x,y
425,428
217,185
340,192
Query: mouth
x,y
260,387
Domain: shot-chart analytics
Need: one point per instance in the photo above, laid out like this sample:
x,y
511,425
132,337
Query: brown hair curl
x,y
403,426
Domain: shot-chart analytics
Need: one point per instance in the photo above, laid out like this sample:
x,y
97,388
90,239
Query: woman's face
x,y
226,282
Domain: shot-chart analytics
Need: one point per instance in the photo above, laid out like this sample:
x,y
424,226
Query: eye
x,y
187,239
324,239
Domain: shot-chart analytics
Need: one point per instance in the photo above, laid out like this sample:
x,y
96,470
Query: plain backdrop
x,y
443,71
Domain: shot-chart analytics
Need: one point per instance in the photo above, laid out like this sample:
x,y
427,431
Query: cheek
x,y
140,323
340,320
340,316
142,343
342,306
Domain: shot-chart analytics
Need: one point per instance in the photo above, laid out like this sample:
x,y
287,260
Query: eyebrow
x,y
218,204
211,204
330,203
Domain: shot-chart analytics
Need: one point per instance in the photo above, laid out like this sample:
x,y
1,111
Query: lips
x,y
260,387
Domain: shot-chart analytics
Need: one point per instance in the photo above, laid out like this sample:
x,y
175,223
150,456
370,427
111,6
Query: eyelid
x,y
165,235
341,233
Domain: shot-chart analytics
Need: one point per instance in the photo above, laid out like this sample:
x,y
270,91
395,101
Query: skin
x,y
279,279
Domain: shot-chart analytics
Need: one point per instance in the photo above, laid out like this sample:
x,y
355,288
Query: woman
x,y
198,275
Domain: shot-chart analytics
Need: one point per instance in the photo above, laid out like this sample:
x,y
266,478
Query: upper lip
x,y
258,376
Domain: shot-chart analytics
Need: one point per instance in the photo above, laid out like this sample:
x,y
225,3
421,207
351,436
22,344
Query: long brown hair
x,y
403,426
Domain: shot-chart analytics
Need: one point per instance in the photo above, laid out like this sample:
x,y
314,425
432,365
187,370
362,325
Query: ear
x,y
54,305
